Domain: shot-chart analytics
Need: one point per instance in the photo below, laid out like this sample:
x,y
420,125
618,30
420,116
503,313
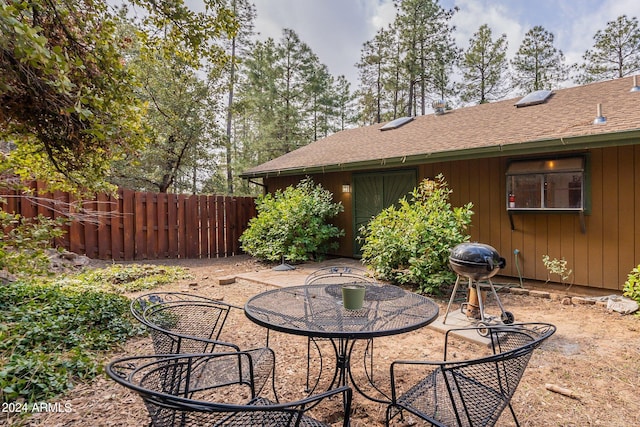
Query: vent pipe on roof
x,y
439,107
635,87
600,119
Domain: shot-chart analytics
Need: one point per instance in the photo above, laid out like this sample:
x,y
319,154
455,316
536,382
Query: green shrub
x,y
632,285
293,224
410,243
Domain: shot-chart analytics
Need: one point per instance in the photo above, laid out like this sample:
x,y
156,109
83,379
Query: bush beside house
x,y
292,225
410,243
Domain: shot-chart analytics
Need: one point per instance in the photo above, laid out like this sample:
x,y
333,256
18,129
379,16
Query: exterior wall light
x,y
346,188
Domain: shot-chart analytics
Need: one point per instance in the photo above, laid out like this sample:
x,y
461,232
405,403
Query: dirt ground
x,y
594,353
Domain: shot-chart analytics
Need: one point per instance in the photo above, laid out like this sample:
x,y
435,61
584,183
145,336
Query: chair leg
x,y
371,361
513,414
389,416
273,385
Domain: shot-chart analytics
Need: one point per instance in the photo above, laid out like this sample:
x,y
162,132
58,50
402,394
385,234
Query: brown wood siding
x,y
601,257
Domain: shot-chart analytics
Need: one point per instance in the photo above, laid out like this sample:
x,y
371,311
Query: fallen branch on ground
x,y
561,390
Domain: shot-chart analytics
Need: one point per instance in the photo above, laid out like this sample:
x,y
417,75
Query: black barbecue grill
x,y
477,262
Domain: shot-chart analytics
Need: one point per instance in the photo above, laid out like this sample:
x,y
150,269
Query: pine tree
x,y
484,67
344,105
373,55
286,98
425,37
245,14
538,64
615,53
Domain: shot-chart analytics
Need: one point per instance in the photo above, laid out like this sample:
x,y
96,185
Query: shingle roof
x,y
564,121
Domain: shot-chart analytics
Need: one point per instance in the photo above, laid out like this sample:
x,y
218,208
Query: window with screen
x,y
547,184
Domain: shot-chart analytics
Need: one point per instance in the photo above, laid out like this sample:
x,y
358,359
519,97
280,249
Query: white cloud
x,y
334,29
473,14
383,13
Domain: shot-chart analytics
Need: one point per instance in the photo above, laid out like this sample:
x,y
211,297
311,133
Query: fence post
x,y
117,229
172,225
129,224
162,235
182,226
151,217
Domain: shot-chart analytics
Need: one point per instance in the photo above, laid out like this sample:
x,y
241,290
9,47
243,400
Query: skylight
x,y
534,98
394,124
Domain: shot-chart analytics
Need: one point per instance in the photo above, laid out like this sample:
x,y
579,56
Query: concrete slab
x,y
298,275
456,319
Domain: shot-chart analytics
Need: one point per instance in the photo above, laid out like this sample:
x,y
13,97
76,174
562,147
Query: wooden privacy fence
x,y
140,225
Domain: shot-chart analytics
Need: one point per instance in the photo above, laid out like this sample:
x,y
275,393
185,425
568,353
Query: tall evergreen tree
x,y
256,102
296,63
484,67
615,53
441,70
245,14
345,114
373,56
425,35
285,99
322,105
538,64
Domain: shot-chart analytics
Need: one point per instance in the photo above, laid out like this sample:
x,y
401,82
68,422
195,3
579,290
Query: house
x,y
555,173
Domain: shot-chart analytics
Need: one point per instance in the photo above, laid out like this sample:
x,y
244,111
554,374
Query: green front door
x,y
373,192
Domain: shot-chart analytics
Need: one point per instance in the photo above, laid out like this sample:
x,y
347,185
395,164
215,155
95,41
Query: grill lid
x,y
476,260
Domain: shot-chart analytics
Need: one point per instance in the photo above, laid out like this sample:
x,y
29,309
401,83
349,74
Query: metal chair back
x,y
339,275
180,323
475,392
189,390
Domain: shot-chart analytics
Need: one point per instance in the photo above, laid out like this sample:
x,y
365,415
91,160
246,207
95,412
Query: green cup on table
x,y
353,296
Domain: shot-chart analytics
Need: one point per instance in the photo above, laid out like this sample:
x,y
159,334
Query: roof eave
x,y
521,148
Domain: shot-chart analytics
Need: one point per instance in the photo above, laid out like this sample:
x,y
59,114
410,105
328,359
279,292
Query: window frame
x,y
541,170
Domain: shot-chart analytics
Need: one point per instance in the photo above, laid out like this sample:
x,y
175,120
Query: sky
x,y
336,29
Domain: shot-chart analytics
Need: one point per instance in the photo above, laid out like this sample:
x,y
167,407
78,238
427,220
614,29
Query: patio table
x,y
316,311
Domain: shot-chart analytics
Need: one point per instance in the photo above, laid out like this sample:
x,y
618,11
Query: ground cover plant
x,y
55,333
24,242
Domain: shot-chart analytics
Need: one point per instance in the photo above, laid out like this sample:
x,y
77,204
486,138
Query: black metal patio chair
x,y
339,275
216,389
140,303
467,393
181,323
